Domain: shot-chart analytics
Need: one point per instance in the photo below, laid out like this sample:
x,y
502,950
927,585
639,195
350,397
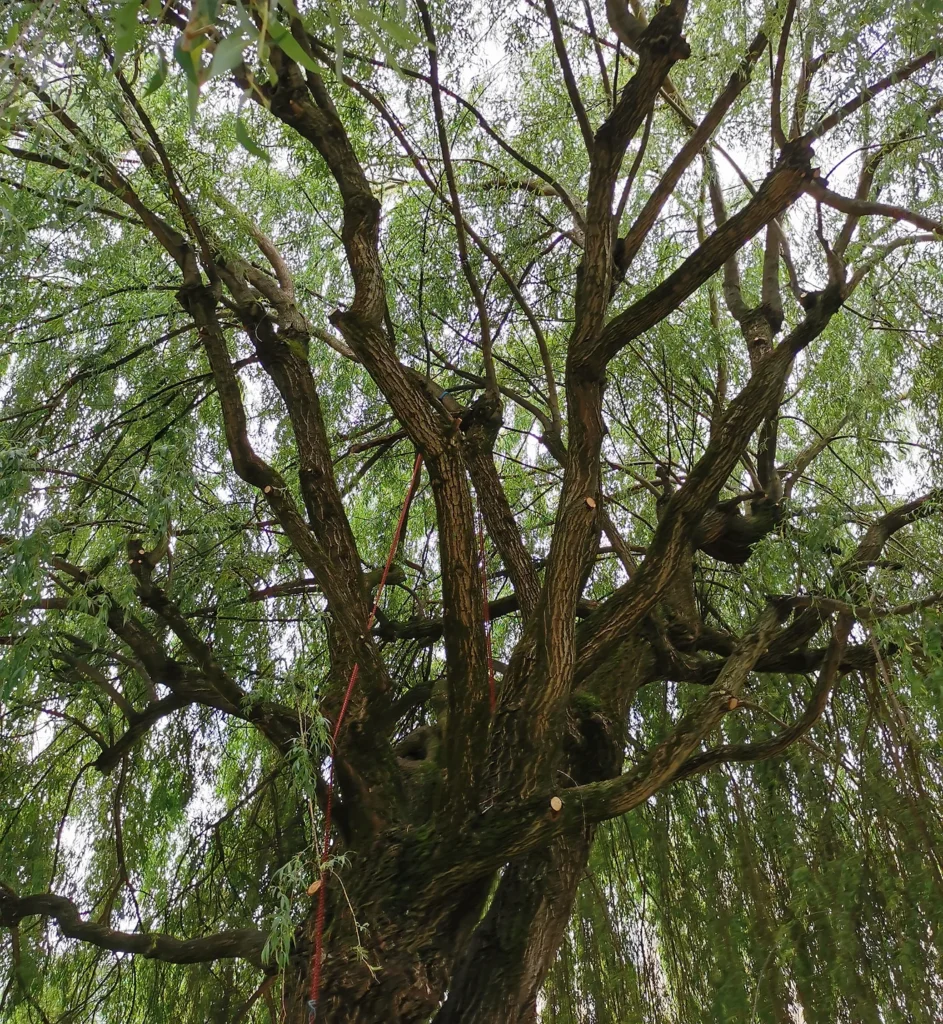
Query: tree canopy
x,y
629,314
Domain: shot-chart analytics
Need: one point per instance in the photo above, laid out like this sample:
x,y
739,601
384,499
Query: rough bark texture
x,y
462,871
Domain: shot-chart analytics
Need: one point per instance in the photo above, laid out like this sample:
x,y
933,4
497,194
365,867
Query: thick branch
x,y
308,109
663,191
244,943
777,744
879,533
631,603
780,189
613,797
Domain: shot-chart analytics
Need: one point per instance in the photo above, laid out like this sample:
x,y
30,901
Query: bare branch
x,y
908,70
243,943
571,87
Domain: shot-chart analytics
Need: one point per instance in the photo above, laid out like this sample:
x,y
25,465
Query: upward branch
x,y
304,104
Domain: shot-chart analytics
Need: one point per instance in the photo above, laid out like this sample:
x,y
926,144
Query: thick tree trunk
x,y
395,963
387,979
406,969
499,975
424,951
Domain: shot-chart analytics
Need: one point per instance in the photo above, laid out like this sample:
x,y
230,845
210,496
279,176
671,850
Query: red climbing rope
x,y
352,682
483,562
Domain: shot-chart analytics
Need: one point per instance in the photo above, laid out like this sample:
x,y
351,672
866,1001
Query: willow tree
x,y
630,315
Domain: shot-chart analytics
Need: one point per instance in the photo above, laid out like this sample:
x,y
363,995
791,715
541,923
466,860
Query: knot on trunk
x,y
729,536
483,421
663,35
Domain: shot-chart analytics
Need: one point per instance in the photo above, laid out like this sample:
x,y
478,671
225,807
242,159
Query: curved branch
x,y
777,744
879,533
304,104
140,723
244,943
608,799
485,249
864,208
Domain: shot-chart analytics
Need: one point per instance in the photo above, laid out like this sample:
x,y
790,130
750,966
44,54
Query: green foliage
x,y
811,881
288,883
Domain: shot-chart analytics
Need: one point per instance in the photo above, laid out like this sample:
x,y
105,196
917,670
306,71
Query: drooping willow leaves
x,y
655,291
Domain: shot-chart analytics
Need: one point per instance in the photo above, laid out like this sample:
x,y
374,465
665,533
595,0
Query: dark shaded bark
x,y
518,937
469,804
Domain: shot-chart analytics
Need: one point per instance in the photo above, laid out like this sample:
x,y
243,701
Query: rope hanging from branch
x,y
352,682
